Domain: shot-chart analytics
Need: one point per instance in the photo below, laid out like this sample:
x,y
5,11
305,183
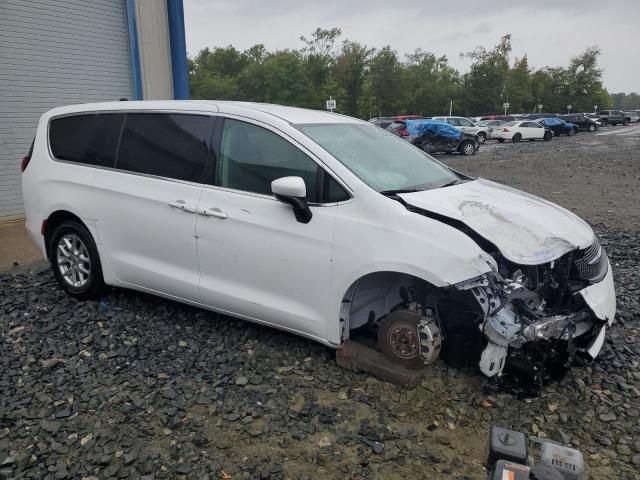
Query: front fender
x,y
396,240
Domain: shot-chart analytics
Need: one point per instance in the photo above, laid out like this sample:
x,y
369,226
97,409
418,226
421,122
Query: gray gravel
x,y
138,387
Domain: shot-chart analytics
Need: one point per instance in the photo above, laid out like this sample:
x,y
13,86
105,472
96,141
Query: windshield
x,y
382,160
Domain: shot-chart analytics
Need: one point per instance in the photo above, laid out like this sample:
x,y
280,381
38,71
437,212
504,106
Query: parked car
x,y
559,126
634,117
382,122
594,117
505,118
613,117
467,126
517,131
317,224
399,128
406,117
581,121
490,125
535,116
434,136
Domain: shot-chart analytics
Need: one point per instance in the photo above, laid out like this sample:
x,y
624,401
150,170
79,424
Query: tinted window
x,y
463,122
252,157
167,145
90,139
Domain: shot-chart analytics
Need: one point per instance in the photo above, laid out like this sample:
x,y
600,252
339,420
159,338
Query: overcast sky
x,y
550,32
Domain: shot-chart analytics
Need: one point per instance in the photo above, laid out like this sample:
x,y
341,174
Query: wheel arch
x,y
375,293
54,220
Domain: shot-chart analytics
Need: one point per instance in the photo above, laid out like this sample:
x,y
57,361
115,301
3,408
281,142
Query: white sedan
x,y
521,130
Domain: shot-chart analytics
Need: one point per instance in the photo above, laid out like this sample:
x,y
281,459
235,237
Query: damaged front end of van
x,y
544,299
537,317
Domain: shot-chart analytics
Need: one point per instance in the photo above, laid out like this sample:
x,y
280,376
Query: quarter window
x,y
251,157
90,139
167,145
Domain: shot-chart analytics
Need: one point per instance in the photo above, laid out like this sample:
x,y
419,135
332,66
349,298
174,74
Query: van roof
x,y
293,115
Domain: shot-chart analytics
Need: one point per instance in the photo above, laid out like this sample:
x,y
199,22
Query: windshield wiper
x,y
390,193
455,182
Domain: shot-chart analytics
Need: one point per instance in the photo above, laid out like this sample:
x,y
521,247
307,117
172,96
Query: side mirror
x,y
293,191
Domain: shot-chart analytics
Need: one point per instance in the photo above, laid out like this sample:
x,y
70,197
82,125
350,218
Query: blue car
x,y
559,126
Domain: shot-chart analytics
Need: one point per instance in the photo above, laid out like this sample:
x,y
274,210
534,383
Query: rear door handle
x,y
182,206
212,212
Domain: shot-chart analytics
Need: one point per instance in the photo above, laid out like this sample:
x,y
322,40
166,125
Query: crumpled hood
x,y
527,229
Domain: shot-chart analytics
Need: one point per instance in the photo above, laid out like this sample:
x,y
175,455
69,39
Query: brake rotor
x,y
398,338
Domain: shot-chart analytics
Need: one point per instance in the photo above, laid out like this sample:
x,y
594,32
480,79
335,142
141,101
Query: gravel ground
x,y
138,387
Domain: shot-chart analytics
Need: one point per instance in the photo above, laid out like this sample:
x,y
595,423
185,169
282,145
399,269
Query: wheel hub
x,y
404,341
73,260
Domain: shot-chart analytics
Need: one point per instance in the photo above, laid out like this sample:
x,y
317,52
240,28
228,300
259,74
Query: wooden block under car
x,y
357,357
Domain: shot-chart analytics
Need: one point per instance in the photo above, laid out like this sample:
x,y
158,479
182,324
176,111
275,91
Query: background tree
x,y
366,82
485,86
350,70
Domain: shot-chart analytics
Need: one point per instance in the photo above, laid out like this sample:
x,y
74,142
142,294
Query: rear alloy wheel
x,y
592,128
467,148
516,138
482,137
398,338
626,122
75,261
572,132
547,136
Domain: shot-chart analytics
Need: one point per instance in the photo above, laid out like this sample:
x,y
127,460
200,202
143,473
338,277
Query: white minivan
x,y
315,223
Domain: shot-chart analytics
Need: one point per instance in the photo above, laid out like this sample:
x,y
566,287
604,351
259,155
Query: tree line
x,y
626,101
370,82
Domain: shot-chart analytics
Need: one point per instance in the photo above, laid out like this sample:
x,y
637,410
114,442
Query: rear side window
x,y
166,145
90,139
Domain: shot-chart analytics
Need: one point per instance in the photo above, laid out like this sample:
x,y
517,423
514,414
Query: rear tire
x,y
592,128
547,136
482,137
572,132
626,122
500,140
75,261
516,138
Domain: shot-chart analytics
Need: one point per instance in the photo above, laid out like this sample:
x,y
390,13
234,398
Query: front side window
x,y
463,122
380,159
251,157
90,139
166,144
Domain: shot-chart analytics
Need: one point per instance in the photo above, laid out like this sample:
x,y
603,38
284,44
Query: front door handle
x,y
182,206
212,212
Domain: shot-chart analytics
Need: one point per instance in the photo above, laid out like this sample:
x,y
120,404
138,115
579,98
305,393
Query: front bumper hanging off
x,y
510,332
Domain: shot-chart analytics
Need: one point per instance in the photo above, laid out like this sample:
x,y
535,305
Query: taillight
x,y
505,129
404,132
25,163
